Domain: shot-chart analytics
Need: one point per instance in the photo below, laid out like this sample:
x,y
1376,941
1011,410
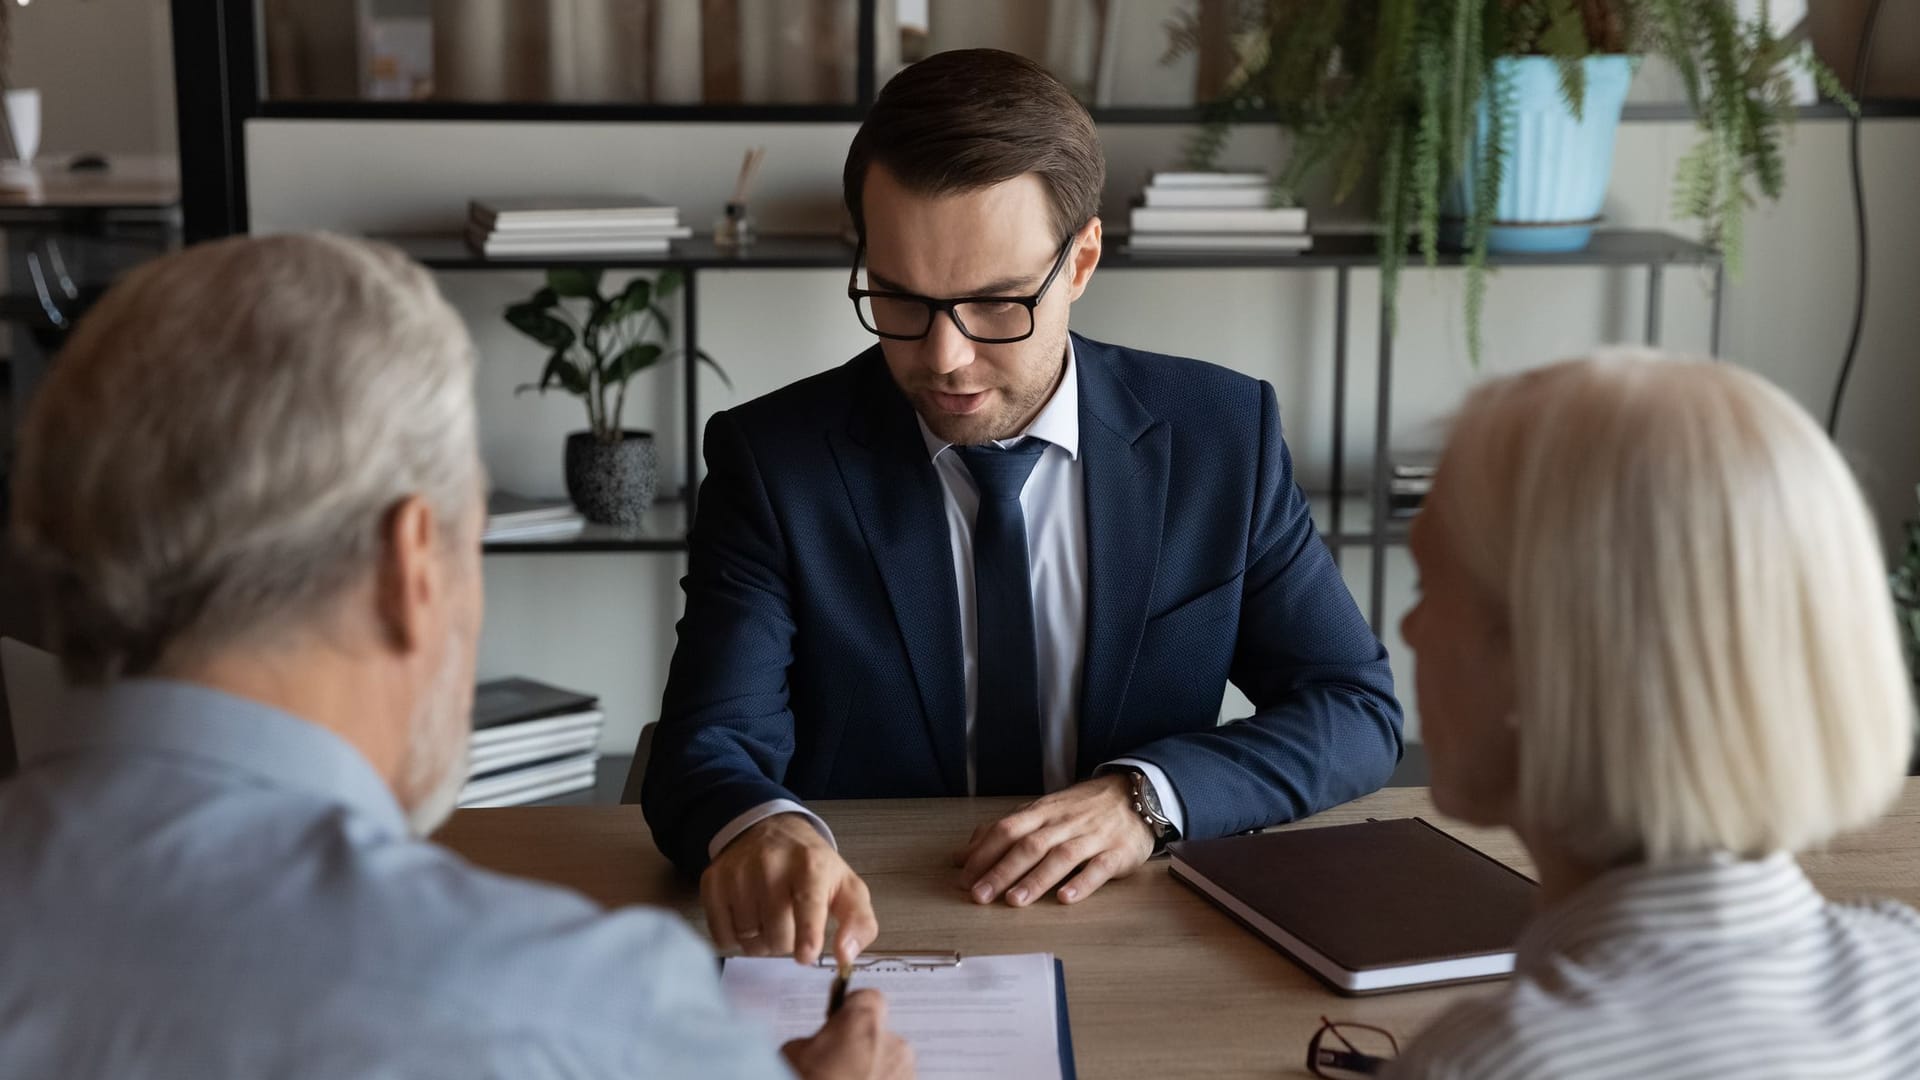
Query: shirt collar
x,y
1058,422
1704,900
271,747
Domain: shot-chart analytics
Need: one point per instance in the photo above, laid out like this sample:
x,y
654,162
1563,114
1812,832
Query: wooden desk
x,y
1159,983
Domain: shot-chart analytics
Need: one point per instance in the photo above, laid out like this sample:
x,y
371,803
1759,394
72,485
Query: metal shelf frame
x,y
1343,253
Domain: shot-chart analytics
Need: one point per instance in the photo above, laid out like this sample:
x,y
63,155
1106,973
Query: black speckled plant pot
x,y
612,483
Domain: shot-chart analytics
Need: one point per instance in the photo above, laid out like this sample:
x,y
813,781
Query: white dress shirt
x,y
1054,503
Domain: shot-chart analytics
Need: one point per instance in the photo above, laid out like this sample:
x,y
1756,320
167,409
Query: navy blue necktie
x,y
1006,726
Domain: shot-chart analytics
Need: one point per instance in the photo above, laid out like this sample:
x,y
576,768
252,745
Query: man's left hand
x,y
1091,826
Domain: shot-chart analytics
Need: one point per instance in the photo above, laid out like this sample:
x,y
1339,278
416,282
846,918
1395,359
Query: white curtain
x,y
542,50
762,51
1063,35
1107,51
798,51
312,49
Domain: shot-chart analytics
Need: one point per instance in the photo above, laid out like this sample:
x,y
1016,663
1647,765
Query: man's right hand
x,y
854,1044
770,891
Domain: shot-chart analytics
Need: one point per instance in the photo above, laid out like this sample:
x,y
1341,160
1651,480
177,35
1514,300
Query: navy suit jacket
x,y
819,656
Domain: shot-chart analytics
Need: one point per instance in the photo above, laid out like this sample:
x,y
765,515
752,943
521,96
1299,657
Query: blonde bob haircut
x,y
1703,649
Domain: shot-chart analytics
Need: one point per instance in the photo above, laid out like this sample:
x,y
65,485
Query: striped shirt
x,y
1709,967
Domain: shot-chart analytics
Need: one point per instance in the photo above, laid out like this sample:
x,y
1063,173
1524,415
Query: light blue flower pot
x,y
1557,166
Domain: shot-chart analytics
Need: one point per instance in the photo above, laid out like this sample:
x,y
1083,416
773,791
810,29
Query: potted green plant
x,y
596,344
1500,114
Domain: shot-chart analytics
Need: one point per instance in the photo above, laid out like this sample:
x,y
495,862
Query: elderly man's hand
x,y
853,1045
770,892
1091,826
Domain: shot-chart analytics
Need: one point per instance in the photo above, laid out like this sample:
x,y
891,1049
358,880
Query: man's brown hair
x,y
972,118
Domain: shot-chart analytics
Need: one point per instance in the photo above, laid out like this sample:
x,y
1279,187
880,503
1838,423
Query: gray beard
x,y
437,738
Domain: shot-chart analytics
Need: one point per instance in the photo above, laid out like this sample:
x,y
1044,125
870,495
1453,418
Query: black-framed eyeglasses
x,y
1341,1051
989,320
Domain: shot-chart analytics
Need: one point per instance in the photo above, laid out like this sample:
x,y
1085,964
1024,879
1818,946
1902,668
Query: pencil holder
x,y
735,227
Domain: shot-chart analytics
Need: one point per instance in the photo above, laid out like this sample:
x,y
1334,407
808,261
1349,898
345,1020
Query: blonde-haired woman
x,y
1654,640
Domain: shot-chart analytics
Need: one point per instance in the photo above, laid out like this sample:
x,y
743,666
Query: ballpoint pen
x,y
838,996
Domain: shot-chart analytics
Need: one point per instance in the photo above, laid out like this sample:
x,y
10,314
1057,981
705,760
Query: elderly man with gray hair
x,y
250,495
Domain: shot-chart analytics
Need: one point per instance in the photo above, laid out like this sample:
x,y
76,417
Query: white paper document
x,y
988,1016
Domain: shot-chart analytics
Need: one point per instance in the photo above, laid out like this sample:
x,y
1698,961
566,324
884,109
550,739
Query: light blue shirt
x,y
194,885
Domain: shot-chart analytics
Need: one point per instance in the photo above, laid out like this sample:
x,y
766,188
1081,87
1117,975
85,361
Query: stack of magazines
x,y
516,517
530,742
1215,211
621,225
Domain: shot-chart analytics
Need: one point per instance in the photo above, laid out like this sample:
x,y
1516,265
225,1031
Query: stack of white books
x,y
530,742
593,225
516,517
1215,211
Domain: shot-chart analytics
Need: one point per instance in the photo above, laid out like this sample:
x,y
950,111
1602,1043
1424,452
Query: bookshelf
x,y
1345,518
663,530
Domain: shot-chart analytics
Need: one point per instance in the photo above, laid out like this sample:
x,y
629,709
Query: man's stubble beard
x,y
1013,417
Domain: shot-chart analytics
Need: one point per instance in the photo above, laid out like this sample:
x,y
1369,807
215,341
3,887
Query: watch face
x,y
1148,802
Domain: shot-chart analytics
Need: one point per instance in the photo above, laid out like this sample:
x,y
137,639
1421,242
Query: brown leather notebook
x,y
1372,907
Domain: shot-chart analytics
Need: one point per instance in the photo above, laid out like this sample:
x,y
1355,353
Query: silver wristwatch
x,y
1147,804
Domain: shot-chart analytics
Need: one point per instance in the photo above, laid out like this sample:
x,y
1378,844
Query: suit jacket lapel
x,y
901,509
1126,457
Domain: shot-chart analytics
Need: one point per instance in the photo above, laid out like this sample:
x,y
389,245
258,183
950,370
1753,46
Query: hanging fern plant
x,y
1398,87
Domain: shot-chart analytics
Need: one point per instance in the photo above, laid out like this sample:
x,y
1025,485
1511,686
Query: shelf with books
x,y
555,226
611,774
450,251
1332,248
530,741
1212,212
1357,521
664,530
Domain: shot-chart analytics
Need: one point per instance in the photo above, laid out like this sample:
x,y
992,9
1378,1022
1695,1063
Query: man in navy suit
x,y
992,557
